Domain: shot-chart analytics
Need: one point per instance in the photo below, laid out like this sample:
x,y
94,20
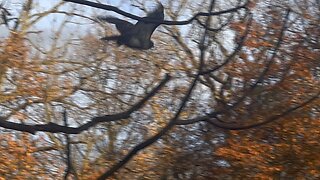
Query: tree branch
x,y
267,121
70,168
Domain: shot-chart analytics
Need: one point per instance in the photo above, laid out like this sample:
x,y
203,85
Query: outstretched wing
x,y
122,25
144,30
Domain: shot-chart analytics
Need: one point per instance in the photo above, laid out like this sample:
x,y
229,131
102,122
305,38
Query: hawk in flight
x,y
136,35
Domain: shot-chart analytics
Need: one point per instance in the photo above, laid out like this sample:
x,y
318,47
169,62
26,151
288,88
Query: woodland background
x,y
232,94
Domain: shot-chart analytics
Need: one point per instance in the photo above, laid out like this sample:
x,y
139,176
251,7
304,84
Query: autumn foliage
x,y
18,160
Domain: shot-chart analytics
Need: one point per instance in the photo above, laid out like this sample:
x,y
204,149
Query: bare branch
x,y
236,50
55,128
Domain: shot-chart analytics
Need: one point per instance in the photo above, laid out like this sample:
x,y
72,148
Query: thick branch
x,y
55,128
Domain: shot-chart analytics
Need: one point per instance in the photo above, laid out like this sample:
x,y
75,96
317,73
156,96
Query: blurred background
x,y
254,112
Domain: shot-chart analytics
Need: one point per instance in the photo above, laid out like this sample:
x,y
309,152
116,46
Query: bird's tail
x,y
110,38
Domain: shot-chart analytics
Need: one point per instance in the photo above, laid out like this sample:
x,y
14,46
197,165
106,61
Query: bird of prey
x,y
137,35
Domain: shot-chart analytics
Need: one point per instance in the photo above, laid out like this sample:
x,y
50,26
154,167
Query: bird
x,y
136,36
